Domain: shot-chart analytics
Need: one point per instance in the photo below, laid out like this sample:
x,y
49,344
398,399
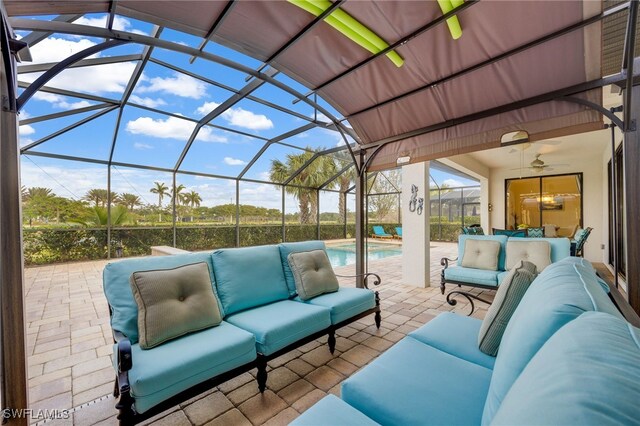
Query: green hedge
x,y
43,246
205,238
295,233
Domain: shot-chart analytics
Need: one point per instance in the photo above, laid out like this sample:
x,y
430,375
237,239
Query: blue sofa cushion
x,y
279,324
285,250
117,288
502,239
345,303
248,277
470,275
331,411
561,293
415,384
586,374
456,335
175,366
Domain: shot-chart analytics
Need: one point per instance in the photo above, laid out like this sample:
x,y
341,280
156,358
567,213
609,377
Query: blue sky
x,y
154,139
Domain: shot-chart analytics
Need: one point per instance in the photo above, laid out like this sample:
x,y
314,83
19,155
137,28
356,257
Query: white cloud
x,y
60,101
234,161
452,183
142,146
148,102
54,49
119,23
180,85
25,130
171,128
239,117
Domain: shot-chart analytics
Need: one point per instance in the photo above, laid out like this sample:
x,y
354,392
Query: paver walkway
x,y
70,345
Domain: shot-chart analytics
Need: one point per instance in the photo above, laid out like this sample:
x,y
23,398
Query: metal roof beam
x,y
219,110
609,12
25,69
63,92
62,114
36,37
68,128
218,22
627,65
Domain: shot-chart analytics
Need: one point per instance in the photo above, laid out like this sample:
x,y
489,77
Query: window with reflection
x,y
549,201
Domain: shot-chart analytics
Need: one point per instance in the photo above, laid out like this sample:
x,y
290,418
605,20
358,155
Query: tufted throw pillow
x,y
536,252
174,302
508,296
481,254
312,273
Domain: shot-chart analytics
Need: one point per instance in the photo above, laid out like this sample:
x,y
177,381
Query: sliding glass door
x,y
619,232
545,200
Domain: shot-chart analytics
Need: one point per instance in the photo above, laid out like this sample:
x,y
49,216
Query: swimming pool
x,y
345,254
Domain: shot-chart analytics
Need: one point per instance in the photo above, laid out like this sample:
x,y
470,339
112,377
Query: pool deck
x,y
70,346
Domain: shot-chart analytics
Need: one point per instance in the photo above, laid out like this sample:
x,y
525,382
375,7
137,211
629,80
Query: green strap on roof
x,y
454,25
350,27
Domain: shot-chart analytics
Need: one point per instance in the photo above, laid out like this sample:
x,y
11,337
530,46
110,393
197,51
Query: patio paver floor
x,y
70,346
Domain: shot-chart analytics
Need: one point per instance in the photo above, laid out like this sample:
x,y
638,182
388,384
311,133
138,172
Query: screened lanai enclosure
x,y
203,124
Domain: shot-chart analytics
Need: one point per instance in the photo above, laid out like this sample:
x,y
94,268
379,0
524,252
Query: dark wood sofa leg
x,y
332,341
442,282
377,317
261,362
125,408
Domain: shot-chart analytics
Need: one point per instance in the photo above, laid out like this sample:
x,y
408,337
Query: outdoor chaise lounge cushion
x,y
169,369
455,334
288,248
536,252
345,303
470,275
249,277
508,296
415,384
279,324
313,273
502,239
330,411
586,374
561,293
174,302
479,254
117,288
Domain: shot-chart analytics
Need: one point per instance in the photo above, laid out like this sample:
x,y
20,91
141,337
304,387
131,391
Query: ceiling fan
x,y
538,166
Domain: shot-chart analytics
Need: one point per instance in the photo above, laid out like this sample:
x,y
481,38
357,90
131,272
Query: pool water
x,y
345,254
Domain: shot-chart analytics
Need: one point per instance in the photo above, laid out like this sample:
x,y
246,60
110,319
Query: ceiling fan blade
x,y
512,150
550,142
559,165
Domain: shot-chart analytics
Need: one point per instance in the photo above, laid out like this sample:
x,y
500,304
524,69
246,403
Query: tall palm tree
x,y
99,197
131,201
312,176
161,189
38,192
193,199
177,194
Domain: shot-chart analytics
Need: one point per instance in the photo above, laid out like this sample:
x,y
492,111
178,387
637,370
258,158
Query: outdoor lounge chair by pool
x,y
379,232
398,232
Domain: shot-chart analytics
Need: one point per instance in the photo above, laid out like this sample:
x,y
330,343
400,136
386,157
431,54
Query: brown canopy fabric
x,y
383,101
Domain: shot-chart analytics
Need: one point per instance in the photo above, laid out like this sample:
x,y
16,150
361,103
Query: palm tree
x,y
192,199
38,192
131,201
161,189
99,197
312,176
98,217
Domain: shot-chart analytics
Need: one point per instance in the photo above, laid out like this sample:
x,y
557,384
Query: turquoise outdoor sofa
x,y
262,319
567,356
489,279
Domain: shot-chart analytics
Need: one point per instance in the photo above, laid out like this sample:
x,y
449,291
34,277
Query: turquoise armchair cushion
x,y
286,249
279,324
117,288
471,275
415,384
330,411
345,303
561,293
586,374
175,366
456,335
502,239
249,277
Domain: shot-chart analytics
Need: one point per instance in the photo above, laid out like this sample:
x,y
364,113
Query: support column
x,y
361,223
15,393
631,153
415,227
